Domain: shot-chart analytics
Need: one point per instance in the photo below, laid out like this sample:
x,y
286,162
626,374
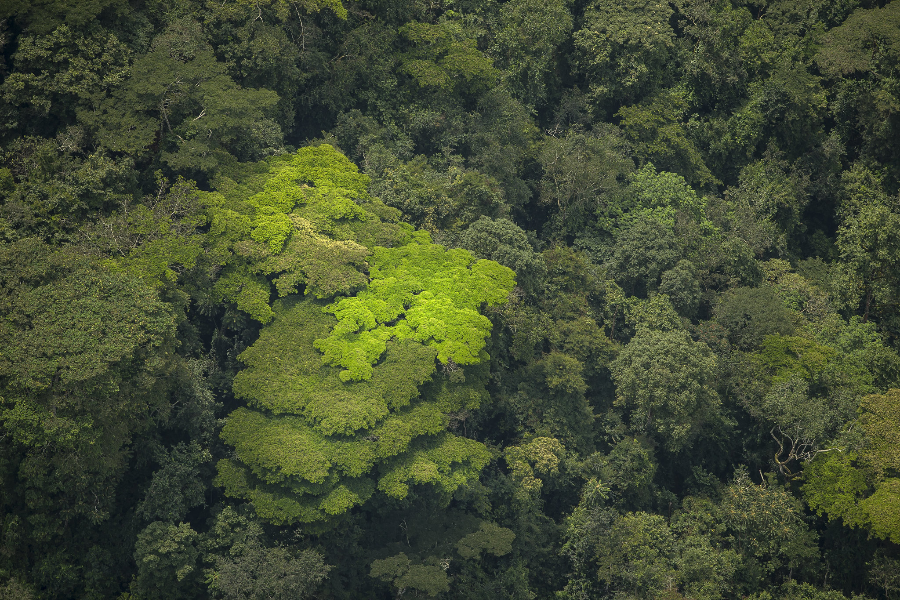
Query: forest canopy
x,y
586,300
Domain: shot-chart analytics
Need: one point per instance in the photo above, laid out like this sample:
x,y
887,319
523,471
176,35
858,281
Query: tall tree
x,y
353,415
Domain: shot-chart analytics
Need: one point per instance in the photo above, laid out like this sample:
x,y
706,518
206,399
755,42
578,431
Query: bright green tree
x,y
297,222
342,398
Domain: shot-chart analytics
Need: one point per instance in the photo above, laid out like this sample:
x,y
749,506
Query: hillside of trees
x,y
481,300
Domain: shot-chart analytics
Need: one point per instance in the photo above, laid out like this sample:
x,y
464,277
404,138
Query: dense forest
x,y
475,299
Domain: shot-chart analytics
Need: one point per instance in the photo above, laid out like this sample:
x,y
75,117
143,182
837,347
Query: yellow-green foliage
x,y
863,489
322,433
309,439
291,503
447,461
303,219
420,292
285,374
335,184
540,456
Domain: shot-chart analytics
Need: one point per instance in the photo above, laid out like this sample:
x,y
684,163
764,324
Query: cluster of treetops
x,y
520,299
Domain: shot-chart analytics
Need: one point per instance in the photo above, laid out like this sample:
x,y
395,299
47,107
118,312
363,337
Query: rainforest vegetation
x,y
472,299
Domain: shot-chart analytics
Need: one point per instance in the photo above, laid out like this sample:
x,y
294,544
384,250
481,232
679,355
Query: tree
x,y
177,486
665,381
443,57
62,73
636,556
55,186
624,49
433,293
526,43
580,172
260,573
180,100
860,485
84,364
324,430
656,128
305,221
437,201
764,525
644,250
860,57
681,286
748,315
504,242
168,562
868,243
776,198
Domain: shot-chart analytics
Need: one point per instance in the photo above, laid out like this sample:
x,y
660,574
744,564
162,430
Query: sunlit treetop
x,y
301,221
419,292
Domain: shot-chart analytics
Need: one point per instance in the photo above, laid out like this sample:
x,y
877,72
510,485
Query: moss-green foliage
x,y
862,486
432,544
445,56
666,379
419,292
430,579
540,456
489,538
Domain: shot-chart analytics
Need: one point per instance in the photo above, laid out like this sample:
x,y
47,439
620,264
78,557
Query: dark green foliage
x,y
681,286
526,44
63,73
167,557
665,381
628,470
180,95
643,252
750,314
708,550
444,57
260,573
177,486
623,49
860,57
581,172
85,357
502,241
54,185
460,299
